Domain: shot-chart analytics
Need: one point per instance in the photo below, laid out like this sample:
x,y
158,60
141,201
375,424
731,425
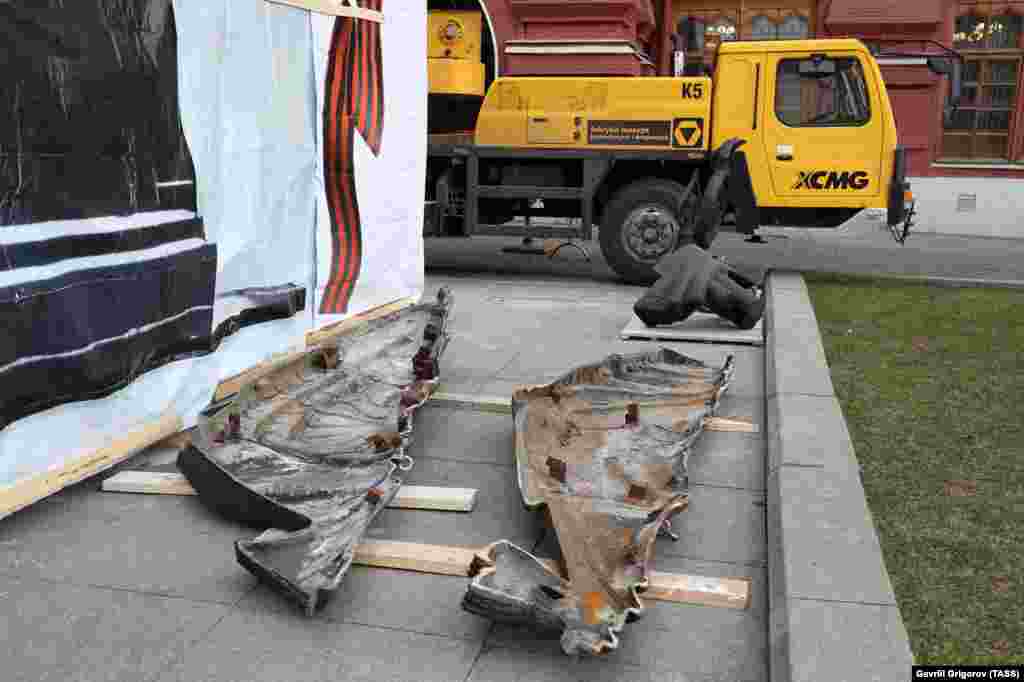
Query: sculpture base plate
x,y
697,327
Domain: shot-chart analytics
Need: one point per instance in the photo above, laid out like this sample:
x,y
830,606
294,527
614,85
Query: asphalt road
x,y
926,255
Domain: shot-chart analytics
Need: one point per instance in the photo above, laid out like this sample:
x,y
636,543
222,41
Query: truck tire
x,y
641,224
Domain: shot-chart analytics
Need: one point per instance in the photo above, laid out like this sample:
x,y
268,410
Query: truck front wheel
x,y
642,224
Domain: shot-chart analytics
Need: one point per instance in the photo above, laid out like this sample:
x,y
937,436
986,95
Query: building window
x,y
984,126
981,126
733,22
977,32
724,27
829,93
763,28
794,27
691,30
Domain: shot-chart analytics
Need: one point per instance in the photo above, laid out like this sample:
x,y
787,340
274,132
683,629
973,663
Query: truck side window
x,y
821,92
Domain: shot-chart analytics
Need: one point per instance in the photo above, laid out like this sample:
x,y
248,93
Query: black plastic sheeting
x,y
89,118
315,456
88,333
234,310
605,449
91,330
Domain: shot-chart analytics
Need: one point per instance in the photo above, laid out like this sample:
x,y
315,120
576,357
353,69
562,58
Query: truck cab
x,y
797,133
819,131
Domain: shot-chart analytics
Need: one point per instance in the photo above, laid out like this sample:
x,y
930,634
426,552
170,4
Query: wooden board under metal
x,y
25,493
408,497
733,593
336,8
497,405
699,327
313,340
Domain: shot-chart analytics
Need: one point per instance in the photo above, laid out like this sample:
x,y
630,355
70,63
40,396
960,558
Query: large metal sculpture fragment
x,y
691,280
314,455
605,449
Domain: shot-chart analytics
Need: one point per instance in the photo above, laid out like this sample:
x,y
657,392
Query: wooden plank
x,y
431,498
276,363
732,424
732,593
498,405
24,493
152,482
312,340
335,8
415,556
729,593
318,337
435,498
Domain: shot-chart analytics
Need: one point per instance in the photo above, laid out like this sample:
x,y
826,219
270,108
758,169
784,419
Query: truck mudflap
x,y
901,202
740,192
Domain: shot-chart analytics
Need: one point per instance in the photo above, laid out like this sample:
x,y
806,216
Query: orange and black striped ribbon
x,y
354,94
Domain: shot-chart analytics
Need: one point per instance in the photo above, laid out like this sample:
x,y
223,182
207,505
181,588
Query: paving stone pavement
x,y
105,586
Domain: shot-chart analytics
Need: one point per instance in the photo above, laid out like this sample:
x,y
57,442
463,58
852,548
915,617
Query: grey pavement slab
x,y
159,544
469,361
499,512
501,664
463,434
400,600
705,650
696,642
923,254
827,546
795,360
728,459
746,407
788,280
806,430
271,646
848,642
721,524
703,327
64,633
522,288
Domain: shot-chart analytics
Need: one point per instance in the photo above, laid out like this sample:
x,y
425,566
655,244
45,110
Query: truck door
x,y
739,108
823,130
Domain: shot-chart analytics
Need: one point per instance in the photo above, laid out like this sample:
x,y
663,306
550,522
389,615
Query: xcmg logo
x,y
831,180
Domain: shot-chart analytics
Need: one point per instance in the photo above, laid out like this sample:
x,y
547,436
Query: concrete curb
x,y
949,282
833,613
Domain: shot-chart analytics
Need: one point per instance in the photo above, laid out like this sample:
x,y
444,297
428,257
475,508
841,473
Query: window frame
x,y
864,92
984,56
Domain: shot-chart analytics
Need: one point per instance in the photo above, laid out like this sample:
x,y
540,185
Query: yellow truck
x,y
799,133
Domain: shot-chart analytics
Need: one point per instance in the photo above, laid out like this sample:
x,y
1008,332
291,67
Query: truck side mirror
x,y
954,69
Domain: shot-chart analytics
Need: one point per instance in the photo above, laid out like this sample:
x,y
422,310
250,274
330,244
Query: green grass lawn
x,y
931,381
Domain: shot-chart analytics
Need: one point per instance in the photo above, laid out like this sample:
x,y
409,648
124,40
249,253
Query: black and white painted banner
x,y
164,219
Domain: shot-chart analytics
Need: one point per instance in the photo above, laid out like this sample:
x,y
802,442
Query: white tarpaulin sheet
x,y
252,94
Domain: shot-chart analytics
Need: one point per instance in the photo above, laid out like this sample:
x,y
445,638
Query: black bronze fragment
x,y
691,280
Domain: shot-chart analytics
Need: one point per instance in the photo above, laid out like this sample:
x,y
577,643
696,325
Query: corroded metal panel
x,y
604,449
313,455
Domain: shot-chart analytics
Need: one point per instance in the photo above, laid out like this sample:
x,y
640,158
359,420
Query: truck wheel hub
x,y
650,232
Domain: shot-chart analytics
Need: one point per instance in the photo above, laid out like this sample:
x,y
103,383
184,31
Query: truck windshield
x,y
829,93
